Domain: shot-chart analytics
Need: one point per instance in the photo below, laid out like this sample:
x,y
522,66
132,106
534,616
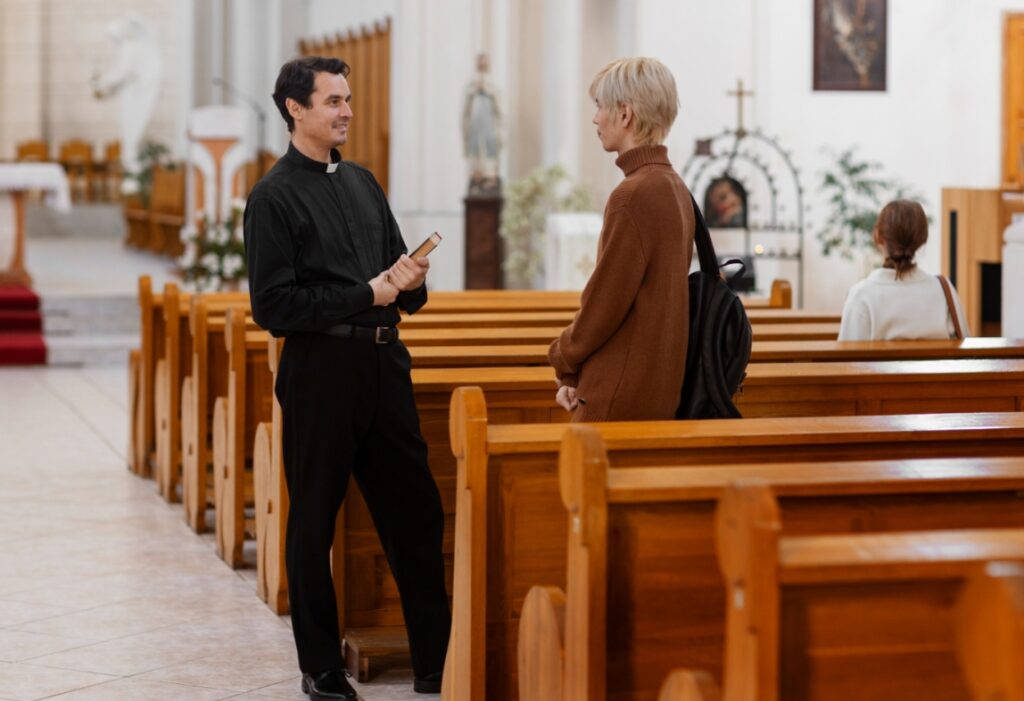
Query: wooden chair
x,y
76,157
167,210
34,150
109,173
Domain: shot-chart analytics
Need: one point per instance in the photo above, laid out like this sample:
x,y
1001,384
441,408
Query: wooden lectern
x,y
973,222
17,180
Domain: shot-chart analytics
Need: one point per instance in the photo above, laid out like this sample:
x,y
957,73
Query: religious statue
x,y
135,80
481,121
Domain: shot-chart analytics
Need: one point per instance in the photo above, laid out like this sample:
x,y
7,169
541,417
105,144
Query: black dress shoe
x,y
328,686
430,684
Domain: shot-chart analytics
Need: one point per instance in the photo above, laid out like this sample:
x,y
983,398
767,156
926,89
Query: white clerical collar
x,y
331,167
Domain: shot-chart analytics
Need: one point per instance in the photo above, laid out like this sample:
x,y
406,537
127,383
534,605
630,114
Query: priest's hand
x,y
408,273
566,398
384,292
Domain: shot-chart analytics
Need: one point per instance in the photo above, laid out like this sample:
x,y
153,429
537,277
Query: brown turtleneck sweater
x,y
625,351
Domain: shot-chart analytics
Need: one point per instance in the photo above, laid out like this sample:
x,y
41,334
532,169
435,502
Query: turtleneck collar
x,y
640,156
296,157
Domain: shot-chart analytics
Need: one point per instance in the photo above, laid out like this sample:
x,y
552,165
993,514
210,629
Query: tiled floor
x,y
105,594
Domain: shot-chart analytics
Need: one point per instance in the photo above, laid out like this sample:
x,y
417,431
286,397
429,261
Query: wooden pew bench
x,y
207,381
170,371
780,297
521,390
236,417
509,516
991,640
762,352
886,387
561,319
537,335
152,349
844,616
643,589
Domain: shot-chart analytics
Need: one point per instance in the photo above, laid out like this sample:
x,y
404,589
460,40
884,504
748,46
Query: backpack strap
x,y
951,307
702,237
706,249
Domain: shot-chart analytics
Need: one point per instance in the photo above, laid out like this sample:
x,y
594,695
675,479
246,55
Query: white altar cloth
x,y
48,178
571,249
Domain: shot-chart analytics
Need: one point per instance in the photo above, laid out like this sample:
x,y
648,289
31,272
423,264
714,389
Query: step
x,y
91,349
91,315
20,320
22,349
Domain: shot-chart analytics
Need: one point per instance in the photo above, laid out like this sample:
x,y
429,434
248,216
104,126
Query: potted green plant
x,y
855,191
140,184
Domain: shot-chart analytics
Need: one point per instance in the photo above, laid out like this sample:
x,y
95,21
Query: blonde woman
x,y
623,356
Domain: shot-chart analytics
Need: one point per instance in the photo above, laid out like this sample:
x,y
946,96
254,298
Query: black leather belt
x,y
382,335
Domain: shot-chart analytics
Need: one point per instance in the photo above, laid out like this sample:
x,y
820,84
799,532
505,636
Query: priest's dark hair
x,y
296,81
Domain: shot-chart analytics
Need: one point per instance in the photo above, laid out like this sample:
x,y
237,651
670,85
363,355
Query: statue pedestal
x,y
484,250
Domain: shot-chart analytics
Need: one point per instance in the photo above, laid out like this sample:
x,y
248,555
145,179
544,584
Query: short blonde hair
x,y
646,85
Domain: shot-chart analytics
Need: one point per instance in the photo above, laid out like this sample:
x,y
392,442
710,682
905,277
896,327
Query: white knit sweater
x,y
882,308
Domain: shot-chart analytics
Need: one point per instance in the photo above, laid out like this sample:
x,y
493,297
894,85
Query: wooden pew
x,y
991,640
151,324
761,352
818,611
270,494
561,319
236,418
535,335
174,366
507,505
199,391
152,349
817,351
886,387
780,297
643,592
521,389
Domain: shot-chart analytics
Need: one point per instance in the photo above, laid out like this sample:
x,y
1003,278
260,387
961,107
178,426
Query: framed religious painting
x,y
850,44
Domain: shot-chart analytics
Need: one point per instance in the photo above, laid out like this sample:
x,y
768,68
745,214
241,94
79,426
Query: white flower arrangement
x,y
215,257
528,201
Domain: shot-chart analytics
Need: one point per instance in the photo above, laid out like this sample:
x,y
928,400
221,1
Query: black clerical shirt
x,y
315,234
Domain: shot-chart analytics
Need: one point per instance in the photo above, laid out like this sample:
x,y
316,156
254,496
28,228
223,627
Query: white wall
x,y
327,17
938,124
428,176
48,53
21,85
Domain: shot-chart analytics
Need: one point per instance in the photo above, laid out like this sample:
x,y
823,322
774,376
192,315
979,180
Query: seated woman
x,y
899,300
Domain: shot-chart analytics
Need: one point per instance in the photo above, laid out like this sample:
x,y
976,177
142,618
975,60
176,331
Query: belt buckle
x,y
384,335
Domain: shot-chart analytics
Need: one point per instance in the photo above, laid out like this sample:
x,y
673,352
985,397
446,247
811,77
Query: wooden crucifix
x,y
739,94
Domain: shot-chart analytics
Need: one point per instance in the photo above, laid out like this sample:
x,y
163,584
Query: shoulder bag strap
x,y
952,307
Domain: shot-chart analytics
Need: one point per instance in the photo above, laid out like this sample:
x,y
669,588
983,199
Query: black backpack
x,y
720,337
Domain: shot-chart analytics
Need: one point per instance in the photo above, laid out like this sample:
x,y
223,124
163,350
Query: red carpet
x,y
21,328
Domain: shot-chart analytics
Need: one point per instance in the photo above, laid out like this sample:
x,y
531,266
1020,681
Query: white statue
x,y
481,122
135,79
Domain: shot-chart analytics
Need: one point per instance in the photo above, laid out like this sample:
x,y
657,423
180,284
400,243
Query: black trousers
x,y
348,407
